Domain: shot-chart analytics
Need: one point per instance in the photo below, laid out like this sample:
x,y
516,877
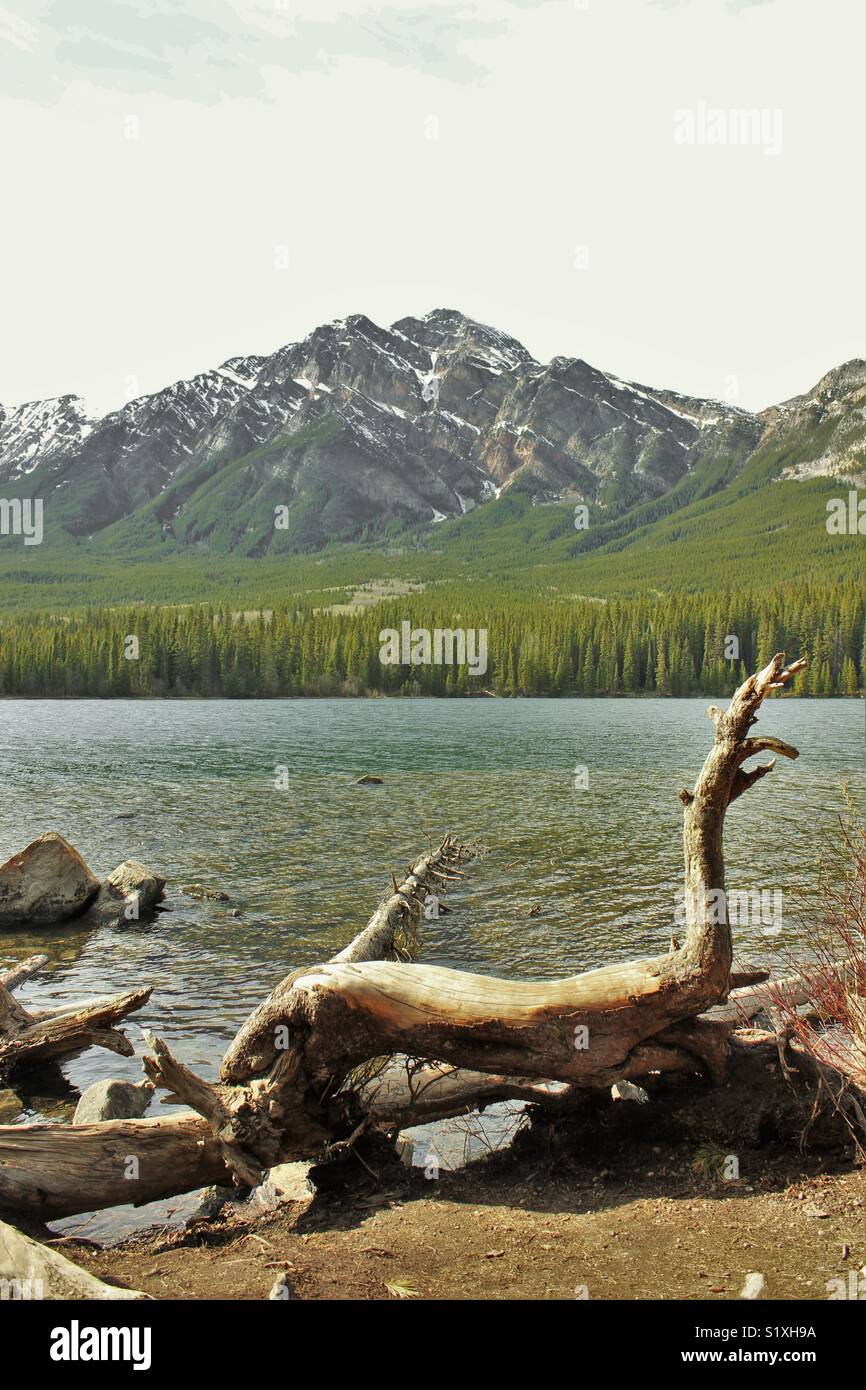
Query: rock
x,y
47,882
202,894
285,1182
754,1286
369,780
212,1201
292,1181
626,1090
281,1288
128,894
234,912
112,1100
32,1271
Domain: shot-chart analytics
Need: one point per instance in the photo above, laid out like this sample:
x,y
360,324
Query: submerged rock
x,y
202,894
369,780
129,893
113,1100
47,882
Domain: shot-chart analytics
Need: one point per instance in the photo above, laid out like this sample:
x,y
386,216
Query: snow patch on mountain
x,y
40,430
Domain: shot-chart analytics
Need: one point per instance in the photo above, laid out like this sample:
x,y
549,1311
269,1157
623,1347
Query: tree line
x,y
685,644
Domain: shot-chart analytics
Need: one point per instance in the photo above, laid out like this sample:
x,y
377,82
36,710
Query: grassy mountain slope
x,y
713,530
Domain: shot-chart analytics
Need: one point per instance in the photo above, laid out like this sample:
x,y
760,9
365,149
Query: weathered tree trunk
x,y
305,1071
30,1271
299,1050
49,1171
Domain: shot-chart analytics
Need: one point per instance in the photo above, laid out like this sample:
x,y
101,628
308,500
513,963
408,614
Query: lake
x,y
598,851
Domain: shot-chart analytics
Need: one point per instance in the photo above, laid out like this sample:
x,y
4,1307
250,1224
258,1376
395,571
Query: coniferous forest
x,y
671,645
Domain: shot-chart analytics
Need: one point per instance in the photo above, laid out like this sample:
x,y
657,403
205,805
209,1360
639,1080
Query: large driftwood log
x,y
304,1074
49,1171
302,1047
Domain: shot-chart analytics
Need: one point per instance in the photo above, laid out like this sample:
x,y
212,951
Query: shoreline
x,y
480,695
616,1205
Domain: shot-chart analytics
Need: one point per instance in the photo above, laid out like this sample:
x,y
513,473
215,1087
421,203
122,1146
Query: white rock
x,y
625,1090
754,1286
285,1182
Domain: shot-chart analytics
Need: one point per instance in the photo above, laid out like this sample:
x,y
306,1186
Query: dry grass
x,y
833,1032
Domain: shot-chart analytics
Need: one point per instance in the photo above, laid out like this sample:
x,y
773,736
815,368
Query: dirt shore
x,y
631,1202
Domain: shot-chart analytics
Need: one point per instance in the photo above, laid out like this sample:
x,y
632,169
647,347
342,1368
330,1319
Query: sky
x,y
189,180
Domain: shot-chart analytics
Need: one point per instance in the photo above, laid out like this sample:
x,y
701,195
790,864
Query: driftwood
x,y
284,1077
49,1171
28,1038
371,1040
25,970
30,1271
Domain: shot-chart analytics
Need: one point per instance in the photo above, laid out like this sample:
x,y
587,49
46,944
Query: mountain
x,y
830,418
39,431
359,432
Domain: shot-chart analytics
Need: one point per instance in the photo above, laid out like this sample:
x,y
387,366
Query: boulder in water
x,y
129,892
47,882
113,1100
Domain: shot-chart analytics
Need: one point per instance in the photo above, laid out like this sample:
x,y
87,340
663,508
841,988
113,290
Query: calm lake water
x,y
307,865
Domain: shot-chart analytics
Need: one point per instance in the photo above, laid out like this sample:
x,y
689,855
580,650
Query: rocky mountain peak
x,y
359,428
40,430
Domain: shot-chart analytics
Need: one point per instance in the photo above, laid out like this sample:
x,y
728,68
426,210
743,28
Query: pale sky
x,y
187,180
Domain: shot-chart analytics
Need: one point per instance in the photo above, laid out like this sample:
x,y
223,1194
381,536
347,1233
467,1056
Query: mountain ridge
x,y
359,431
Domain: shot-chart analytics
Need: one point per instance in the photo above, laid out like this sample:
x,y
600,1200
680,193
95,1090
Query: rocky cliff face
x,y
831,418
358,430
